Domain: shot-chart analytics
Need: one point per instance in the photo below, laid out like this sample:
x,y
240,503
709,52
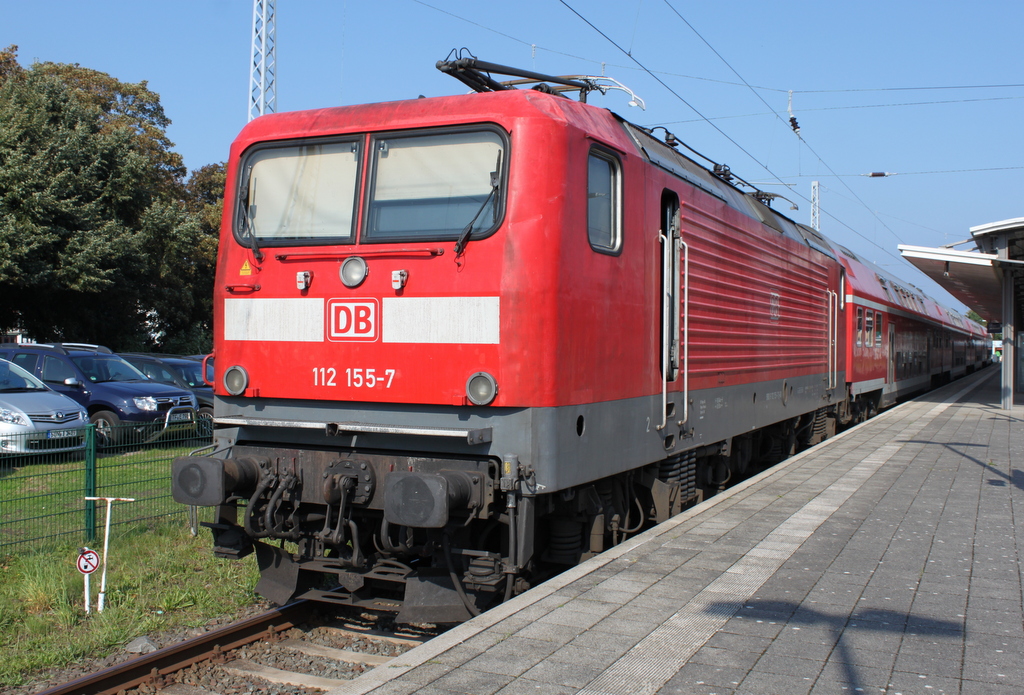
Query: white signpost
x,y
106,545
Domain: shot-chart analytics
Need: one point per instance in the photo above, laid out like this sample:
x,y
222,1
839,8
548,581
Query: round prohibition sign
x,y
88,562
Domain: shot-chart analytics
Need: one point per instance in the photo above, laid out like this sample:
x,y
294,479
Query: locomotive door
x,y
674,304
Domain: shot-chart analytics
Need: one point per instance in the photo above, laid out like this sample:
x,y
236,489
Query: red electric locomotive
x,y
461,341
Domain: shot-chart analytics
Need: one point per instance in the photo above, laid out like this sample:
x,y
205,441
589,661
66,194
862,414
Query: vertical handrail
x,y
828,345
666,340
686,329
834,348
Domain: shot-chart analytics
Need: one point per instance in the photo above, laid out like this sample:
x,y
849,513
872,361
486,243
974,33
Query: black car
x,y
183,372
113,391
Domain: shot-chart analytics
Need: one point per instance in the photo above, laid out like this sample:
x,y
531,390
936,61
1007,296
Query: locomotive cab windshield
x,y
420,187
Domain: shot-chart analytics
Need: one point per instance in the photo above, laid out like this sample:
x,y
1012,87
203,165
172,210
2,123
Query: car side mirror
x,y
73,382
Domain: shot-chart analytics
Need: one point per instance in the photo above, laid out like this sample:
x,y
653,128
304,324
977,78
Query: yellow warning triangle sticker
x,y
246,269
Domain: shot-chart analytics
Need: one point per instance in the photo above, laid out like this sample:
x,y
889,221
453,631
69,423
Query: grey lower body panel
x,y
565,446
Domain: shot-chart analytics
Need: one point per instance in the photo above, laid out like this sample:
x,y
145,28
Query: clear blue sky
x,y
931,91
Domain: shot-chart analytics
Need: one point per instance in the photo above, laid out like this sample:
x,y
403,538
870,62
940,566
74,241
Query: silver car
x,y
35,419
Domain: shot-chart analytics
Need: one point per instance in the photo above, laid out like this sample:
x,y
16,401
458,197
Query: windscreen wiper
x,y
248,220
460,245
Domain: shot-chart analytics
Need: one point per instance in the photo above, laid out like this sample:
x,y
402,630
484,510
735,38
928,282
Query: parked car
x,y
209,365
111,390
35,419
183,372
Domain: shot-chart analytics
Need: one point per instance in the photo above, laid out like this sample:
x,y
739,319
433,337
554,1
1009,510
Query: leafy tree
x,y
101,239
9,62
131,107
204,194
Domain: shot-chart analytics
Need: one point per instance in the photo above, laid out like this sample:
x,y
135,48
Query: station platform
x,y
885,560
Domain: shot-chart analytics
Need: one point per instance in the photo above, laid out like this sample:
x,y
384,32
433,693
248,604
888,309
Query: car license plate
x,y
181,417
60,434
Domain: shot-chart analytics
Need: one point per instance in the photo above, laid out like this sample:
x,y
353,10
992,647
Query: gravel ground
x,y
213,677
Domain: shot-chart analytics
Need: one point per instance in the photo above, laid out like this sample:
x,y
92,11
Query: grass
x,y
43,496
159,577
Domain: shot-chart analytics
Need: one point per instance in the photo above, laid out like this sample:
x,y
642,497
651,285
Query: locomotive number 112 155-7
x,y
354,377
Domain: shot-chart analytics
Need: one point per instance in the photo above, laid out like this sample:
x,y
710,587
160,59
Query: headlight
x,y
145,402
353,271
236,380
12,418
481,388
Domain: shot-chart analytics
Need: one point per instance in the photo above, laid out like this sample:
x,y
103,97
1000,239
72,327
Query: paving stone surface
x,y
887,560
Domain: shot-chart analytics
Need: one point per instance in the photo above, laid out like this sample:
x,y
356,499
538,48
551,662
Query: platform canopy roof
x,y
975,277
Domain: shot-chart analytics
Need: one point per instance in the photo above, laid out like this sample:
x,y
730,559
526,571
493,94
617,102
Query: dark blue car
x,y
115,393
184,372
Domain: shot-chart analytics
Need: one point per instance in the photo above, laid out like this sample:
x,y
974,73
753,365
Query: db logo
x,y
352,319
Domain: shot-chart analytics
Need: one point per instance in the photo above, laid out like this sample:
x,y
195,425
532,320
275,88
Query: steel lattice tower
x,y
815,219
262,86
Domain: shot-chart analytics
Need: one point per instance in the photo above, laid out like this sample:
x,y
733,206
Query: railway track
x,y
289,650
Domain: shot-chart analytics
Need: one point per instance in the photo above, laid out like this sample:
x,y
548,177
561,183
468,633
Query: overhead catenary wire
x,y
879,174
534,47
655,75
739,146
845,108
796,130
672,91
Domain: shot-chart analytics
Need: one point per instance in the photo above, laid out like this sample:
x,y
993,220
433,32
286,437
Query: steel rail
x,y
175,657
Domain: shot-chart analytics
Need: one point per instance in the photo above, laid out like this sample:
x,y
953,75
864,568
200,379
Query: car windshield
x,y
99,368
14,378
156,372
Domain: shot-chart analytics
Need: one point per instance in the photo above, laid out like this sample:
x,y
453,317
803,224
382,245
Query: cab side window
x,y
604,202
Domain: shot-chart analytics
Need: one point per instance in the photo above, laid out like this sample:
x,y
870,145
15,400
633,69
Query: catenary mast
x,y
262,85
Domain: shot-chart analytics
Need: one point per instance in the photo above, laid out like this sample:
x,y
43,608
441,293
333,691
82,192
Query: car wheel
x,y
204,425
108,427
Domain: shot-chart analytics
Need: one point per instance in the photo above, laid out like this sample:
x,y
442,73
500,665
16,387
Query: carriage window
x,y
860,326
299,193
436,186
878,329
604,208
869,329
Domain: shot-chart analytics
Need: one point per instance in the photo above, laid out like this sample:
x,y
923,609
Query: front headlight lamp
x,y
147,403
481,388
12,418
236,380
353,271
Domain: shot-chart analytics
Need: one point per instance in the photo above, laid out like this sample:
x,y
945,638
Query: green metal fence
x,y
43,491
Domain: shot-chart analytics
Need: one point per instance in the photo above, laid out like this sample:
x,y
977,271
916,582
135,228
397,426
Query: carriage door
x,y
673,254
